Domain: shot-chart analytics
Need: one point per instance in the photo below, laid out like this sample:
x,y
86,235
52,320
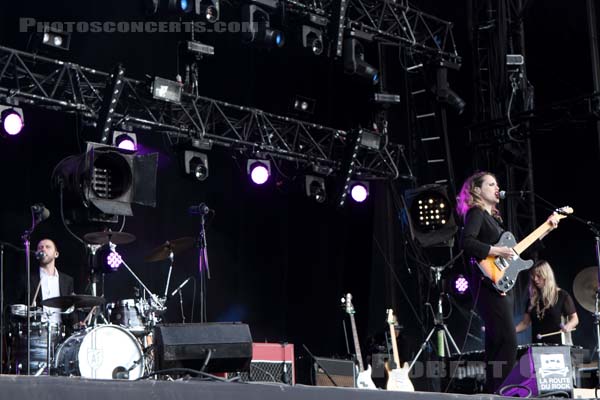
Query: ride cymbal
x,y
77,300
585,286
108,236
177,246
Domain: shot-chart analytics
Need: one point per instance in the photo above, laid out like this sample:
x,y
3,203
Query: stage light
x,y
209,9
106,180
444,93
259,171
312,38
359,191
431,218
260,31
196,164
114,260
125,141
461,285
315,188
354,60
12,120
56,38
304,104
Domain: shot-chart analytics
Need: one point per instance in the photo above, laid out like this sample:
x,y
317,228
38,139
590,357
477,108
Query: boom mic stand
x,y
203,267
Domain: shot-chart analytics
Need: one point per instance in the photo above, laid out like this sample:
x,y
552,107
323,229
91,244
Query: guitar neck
x,y
532,237
361,367
394,346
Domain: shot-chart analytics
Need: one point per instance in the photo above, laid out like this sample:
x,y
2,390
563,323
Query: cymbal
x,y
585,286
109,236
77,300
177,246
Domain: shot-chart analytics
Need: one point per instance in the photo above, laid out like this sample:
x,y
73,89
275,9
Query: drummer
x,y
550,309
48,282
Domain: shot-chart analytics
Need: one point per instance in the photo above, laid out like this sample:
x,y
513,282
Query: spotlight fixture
x,y
259,23
209,9
304,104
196,164
125,141
354,60
359,191
106,180
431,219
444,93
312,38
11,119
259,171
56,38
166,90
315,188
461,285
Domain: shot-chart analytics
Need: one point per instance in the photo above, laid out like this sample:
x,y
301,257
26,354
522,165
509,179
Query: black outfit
x,y
481,231
551,320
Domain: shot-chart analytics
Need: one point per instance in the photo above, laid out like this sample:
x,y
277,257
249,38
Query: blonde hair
x,y
469,198
548,293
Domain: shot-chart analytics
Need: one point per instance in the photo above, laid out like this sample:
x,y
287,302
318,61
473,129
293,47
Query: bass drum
x,y
103,352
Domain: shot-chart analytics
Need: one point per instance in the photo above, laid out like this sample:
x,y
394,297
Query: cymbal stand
x,y
158,303
172,258
92,249
203,267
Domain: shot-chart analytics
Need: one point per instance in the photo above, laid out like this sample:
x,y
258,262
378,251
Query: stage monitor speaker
x,y
543,370
342,372
228,346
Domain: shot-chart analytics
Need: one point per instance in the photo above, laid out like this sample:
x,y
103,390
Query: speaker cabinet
x,y
342,372
223,347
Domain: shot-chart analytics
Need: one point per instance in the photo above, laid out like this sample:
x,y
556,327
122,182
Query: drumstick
x,y
89,316
37,290
539,336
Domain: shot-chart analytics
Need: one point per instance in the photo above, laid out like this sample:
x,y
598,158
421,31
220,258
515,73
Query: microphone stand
x,y
203,267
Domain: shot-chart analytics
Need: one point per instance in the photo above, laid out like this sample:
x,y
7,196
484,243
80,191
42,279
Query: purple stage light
x,y
127,144
114,260
359,192
461,284
259,173
12,122
125,141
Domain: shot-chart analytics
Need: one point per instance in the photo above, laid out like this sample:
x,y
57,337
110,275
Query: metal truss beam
x,y
43,82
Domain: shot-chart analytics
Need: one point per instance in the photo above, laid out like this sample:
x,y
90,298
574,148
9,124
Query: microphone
x,y
40,211
180,287
518,193
39,255
120,373
201,209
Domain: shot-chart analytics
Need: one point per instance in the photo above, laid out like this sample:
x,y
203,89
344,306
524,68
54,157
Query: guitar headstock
x,y
563,212
347,303
391,318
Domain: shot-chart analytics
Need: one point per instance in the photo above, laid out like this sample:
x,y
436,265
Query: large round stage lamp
x,y
315,188
196,164
259,171
359,191
106,180
125,141
431,215
12,121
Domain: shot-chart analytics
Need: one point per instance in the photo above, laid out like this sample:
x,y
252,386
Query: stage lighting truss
x,y
107,180
431,217
11,121
77,89
196,164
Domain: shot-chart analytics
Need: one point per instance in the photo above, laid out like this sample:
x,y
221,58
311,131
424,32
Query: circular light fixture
x,y
259,173
12,122
359,192
461,284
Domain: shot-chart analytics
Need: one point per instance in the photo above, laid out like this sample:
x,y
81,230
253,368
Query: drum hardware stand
x,y
439,327
172,259
92,249
203,262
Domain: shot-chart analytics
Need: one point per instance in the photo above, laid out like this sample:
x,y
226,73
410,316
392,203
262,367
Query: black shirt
x,y
551,320
480,233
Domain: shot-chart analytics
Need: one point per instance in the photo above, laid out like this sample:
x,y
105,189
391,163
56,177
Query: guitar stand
x,y
444,337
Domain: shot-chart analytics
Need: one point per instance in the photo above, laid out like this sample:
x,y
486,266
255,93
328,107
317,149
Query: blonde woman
x,y
548,306
477,204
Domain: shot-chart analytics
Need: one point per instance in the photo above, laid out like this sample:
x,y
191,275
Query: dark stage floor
x,y
26,387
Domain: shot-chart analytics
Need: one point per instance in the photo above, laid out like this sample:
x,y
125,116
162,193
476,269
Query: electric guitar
x,y
503,272
398,379
364,380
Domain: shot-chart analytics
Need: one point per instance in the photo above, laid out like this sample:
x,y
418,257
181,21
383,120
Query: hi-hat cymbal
x,y
177,246
585,286
109,236
77,300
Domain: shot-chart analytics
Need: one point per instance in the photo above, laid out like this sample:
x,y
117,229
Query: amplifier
x,y
271,362
342,372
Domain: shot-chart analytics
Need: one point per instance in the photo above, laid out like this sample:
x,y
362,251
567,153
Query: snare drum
x,y
128,314
103,352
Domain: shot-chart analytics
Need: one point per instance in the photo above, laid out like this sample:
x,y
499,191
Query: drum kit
x,y
114,340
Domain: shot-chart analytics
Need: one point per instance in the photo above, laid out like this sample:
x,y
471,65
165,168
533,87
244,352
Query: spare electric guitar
x,y
398,379
503,272
364,380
